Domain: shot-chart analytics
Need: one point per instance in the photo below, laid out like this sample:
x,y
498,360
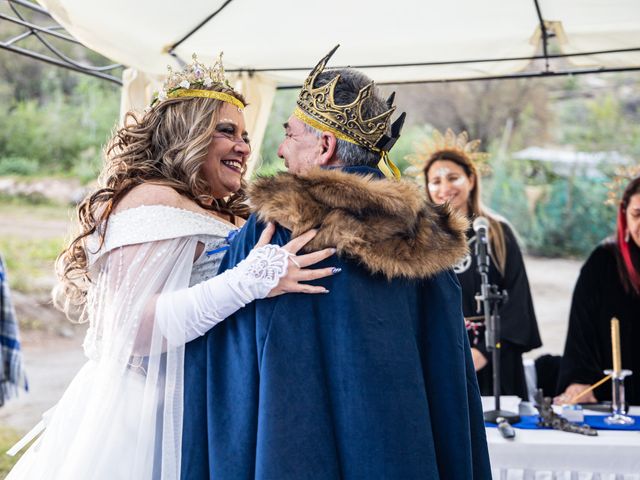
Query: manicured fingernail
x,y
333,250
326,291
335,270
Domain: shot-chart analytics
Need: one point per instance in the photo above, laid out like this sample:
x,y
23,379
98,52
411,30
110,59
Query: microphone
x,y
481,227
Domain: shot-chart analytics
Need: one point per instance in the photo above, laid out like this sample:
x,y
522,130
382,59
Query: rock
x,y
59,190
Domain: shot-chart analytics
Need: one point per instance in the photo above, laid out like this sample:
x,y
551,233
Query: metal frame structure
x,y
41,33
101,71
547,72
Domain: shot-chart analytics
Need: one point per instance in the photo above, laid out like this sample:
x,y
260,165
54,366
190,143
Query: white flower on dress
x,y
185,84
207,82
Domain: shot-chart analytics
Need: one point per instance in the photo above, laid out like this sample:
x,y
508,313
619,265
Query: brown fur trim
x,y
387,225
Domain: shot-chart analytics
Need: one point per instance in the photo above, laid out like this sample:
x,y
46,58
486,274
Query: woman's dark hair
x,y
628,253
476,207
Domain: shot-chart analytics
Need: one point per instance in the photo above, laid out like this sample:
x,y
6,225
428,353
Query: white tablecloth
x,y
555,455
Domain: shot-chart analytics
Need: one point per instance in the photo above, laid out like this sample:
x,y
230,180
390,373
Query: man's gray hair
x,y
347,89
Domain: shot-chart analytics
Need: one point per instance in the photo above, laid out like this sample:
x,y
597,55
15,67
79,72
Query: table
x,y
555,455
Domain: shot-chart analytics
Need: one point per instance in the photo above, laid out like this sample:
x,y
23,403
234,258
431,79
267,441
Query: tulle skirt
x,y
76,445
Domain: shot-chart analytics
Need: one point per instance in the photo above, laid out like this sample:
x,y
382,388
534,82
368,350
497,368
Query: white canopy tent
x,y
270,44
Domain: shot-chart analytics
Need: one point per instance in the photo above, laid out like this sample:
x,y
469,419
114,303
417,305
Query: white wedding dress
x,y
121,416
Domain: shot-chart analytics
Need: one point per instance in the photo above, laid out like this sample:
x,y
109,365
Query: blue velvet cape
x,y
371,381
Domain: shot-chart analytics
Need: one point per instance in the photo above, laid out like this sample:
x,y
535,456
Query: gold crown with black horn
x,y
316,107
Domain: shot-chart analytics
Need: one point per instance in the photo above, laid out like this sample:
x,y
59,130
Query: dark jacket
x,y
373,380
598,296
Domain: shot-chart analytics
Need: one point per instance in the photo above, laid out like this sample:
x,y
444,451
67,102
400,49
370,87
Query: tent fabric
x,y
588,26
280,35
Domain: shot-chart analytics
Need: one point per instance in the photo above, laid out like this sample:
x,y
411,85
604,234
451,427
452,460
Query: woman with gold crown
x,y
450,166
142,271
608,286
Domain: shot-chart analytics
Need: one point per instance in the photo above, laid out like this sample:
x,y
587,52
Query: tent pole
x,y
170,50
545,36
447,62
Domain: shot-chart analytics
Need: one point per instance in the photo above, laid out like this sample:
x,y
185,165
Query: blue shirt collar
x,y
359,170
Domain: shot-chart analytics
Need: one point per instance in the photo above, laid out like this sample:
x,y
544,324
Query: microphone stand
x,y
491,299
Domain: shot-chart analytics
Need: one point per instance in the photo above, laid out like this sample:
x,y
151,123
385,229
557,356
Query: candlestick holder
x,y
618,412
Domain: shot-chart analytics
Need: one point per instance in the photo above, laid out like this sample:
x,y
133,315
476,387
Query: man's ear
x,y
328,145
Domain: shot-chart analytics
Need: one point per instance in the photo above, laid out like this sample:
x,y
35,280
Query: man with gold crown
x,y
371,380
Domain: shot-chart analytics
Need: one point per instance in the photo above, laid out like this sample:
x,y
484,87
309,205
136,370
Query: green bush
x,y
18,166
568,220
56,134
574,219
88,165
30,262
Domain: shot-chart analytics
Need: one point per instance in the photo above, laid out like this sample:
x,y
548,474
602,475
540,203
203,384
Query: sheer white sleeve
x,y
121,417
204,305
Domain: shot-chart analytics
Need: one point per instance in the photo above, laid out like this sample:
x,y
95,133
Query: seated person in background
x,y
450,166
608,286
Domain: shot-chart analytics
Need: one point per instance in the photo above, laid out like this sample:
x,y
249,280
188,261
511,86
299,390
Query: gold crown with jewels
x,y
316,106
192,80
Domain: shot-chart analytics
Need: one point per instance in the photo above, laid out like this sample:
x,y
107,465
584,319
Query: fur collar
x,y
386,225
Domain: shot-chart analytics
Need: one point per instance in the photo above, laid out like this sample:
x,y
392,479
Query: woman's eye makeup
x,y
229,130
226,129
456,180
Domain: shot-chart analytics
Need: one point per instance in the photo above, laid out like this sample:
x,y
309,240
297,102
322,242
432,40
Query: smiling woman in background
x,y
608,286
450,167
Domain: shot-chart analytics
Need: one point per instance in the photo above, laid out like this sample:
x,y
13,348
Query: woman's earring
x,y
626,236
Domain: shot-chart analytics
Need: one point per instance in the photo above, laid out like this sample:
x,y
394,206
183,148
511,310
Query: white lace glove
x,y
184,315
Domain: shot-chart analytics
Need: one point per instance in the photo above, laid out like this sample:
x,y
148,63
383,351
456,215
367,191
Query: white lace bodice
x,y
148,223
207,264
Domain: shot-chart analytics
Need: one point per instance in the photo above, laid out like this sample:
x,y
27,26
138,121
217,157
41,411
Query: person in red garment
x,y
608,286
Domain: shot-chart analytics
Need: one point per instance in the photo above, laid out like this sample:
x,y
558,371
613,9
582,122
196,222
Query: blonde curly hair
x,y
166,146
